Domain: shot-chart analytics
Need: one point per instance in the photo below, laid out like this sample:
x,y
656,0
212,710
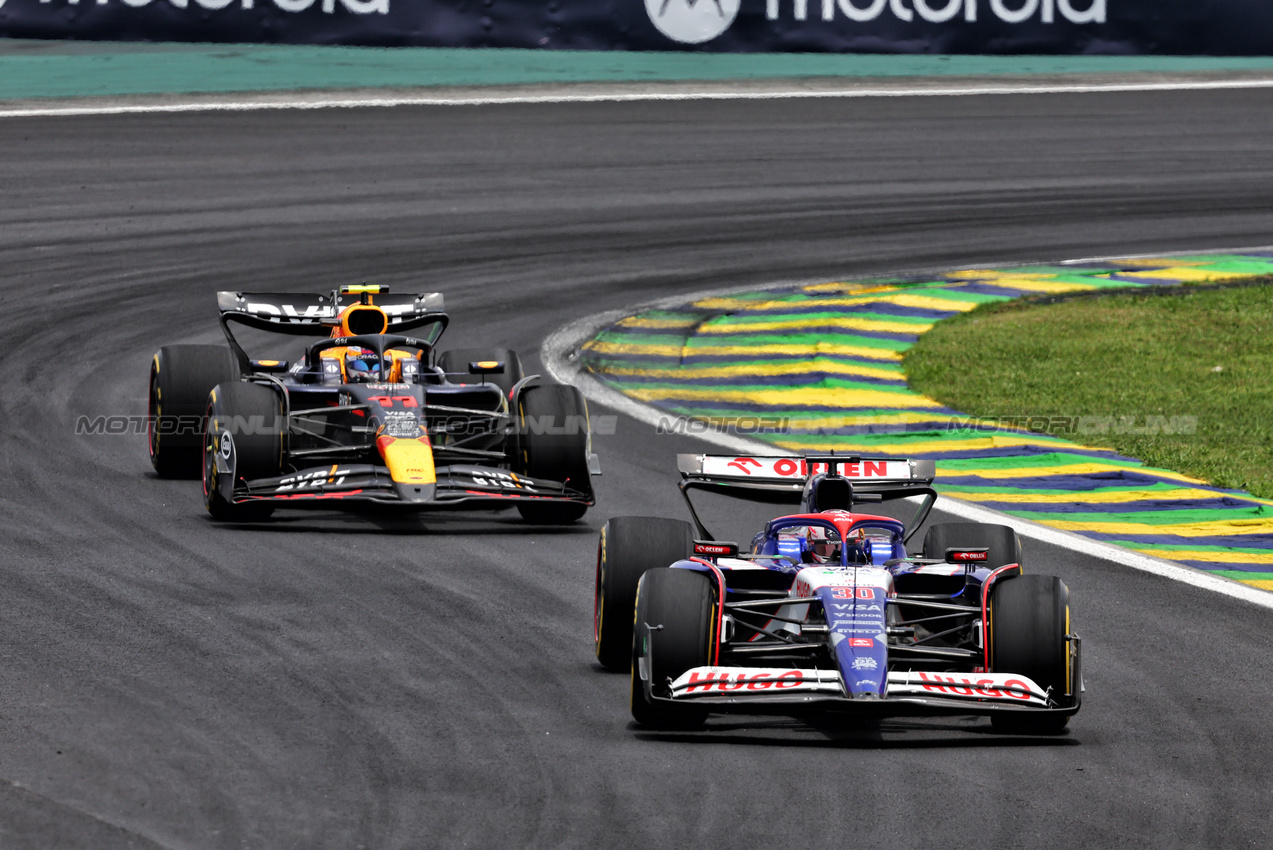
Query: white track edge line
x,y
336,102
559,349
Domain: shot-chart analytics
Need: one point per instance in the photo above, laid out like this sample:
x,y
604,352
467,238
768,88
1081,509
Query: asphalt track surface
x,y
331,681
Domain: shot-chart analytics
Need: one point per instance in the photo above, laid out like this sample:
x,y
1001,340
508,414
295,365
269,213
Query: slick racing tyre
x,y
1029,617
244,427
456,363
1002,541
678,607
181,376
552,443
628,546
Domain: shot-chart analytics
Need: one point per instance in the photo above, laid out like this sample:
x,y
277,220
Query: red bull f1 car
x,y
370,411
827,610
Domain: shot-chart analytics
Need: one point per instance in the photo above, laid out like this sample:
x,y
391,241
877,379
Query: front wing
x,y
794,691
459,485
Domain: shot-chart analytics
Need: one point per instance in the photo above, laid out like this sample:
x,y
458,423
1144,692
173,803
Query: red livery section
x,y
963,686
726,682
722,550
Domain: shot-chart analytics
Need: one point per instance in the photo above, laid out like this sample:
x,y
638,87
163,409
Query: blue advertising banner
x,y
1164,27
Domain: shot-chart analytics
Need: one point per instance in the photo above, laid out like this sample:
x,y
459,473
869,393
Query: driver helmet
x,y
859,547
824,545
361,365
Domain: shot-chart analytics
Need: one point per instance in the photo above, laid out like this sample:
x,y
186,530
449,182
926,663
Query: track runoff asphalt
x,y
366,681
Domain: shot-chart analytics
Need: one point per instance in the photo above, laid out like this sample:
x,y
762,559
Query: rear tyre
x,y
181,376
245,421
552,443
681,602
627,547
457,361
1002,541
1029,619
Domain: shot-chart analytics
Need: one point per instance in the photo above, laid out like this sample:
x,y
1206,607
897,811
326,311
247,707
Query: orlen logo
x,y
692,21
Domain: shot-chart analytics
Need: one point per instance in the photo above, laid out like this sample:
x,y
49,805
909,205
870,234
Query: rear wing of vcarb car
x,y
817,482
305,314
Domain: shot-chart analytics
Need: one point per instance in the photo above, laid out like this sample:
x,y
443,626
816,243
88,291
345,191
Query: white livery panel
x,y
999,687
1005,688
796,469
754,681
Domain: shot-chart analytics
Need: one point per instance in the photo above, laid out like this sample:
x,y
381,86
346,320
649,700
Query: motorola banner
x,y
1215,27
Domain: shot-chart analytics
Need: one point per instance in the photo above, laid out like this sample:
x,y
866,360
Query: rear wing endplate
x,y
304,314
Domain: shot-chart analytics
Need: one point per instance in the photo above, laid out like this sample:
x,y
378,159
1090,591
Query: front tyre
x,y
627,547
1029,618
244,430
180,378
678,607
552,443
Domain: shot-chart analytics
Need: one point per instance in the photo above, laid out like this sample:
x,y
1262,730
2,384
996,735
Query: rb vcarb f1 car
x,y
828,612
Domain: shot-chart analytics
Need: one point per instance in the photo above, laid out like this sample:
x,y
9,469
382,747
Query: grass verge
x,y
1183,381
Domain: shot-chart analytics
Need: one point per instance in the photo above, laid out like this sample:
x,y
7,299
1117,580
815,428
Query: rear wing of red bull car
x,y
815,482
304,314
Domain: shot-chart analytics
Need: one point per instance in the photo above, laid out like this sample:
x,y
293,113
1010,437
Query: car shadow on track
x,y
888,734
399,523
